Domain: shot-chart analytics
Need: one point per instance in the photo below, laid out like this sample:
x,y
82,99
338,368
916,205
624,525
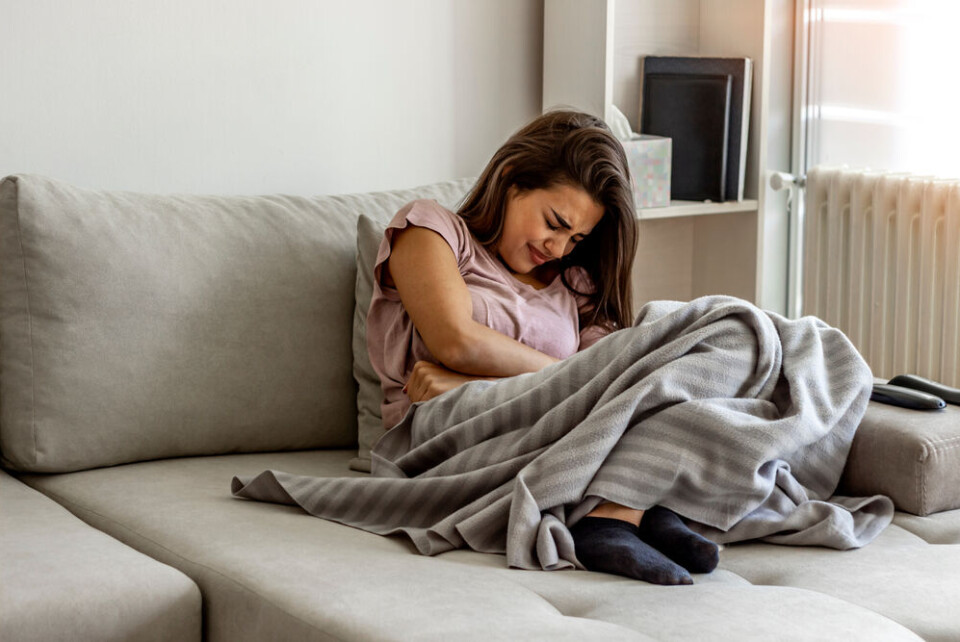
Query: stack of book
x,y
703,105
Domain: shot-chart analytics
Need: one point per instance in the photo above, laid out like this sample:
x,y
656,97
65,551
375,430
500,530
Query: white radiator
x,y
881,261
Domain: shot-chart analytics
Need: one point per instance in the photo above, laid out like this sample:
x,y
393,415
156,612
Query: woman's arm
x,y
428,380
424,270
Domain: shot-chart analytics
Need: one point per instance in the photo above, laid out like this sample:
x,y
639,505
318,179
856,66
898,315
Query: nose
x,y
557,247
554,247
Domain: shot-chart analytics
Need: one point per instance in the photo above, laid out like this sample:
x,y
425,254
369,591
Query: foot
x,y
612,546
665,531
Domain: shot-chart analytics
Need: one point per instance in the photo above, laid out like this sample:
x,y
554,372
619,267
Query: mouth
x,y
537,257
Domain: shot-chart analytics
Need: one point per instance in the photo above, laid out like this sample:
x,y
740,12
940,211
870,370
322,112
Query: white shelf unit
x,y
695,208
593,50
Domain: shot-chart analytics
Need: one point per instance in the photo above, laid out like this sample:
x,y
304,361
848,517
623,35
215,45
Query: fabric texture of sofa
x,y
153,347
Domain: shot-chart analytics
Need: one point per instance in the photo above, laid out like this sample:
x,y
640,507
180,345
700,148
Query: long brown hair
x,y
572,148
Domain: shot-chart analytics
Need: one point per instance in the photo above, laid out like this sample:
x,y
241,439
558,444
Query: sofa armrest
x,y
911,456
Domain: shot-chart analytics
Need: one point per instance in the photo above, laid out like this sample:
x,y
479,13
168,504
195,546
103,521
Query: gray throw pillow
x,y
369,396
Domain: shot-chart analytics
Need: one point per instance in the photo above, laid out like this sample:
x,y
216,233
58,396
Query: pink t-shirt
x,y
545,319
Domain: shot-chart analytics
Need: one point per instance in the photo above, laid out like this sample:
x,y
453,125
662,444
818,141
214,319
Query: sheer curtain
x,y
883,85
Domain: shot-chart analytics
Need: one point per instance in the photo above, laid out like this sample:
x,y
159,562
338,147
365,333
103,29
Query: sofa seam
x,y
67,504
936,444
921,487
26,290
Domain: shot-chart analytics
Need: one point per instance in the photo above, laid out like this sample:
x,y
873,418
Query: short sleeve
x,y
432,216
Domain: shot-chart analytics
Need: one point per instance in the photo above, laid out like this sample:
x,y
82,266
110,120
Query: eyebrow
x,y
562,221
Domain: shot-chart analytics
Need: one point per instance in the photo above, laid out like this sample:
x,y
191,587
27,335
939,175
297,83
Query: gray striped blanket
x,y
737,419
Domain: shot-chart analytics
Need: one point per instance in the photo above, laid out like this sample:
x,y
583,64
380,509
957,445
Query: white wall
x,y
244,96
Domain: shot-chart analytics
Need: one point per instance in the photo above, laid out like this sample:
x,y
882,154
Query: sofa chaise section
x,y
61,579
271,571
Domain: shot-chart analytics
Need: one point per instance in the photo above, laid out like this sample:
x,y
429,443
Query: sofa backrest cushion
x,y
138,326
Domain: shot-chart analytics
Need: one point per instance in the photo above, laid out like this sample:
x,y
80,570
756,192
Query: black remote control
x,y
906,397
916,382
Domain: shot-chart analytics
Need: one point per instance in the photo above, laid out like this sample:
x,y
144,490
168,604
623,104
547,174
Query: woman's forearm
x,y
482,351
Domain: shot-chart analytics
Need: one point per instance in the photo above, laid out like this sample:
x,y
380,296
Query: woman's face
x,y
543,225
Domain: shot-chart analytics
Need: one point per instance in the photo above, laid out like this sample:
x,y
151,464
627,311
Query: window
x,y
882,85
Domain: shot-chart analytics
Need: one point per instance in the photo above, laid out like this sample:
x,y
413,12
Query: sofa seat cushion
x,y
61,579
272,571
898,574
940,528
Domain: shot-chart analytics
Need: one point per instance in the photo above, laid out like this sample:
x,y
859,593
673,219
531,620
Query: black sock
x,y
665,531
612,546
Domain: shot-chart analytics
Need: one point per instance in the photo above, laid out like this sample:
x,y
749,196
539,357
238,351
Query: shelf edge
x,y
693,208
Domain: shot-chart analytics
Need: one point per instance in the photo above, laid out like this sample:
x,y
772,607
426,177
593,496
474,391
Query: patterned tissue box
x,y
649,159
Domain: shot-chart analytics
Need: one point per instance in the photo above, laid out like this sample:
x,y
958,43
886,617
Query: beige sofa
x,y
152,347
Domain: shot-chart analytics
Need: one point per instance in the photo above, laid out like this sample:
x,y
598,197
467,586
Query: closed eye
x,y
562,222
553,228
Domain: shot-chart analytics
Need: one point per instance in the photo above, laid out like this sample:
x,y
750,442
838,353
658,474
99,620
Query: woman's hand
x,y
429,380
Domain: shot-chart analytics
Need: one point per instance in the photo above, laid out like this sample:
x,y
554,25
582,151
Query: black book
x,y
694,111
740,72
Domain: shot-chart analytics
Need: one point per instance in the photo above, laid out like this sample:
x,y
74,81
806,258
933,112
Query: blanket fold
x,y
737,419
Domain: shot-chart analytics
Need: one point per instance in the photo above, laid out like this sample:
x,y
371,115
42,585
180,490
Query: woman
x,y
534,267
736,418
